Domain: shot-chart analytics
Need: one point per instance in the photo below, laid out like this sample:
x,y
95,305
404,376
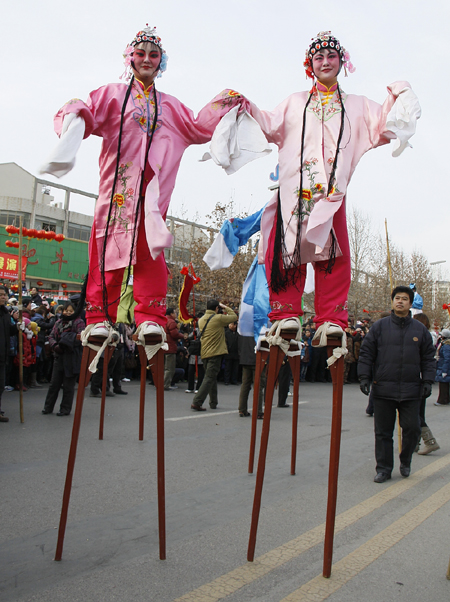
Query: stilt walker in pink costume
x,y
321,136
145,133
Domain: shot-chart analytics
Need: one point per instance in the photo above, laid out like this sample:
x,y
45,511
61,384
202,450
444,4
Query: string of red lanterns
x,y
32,233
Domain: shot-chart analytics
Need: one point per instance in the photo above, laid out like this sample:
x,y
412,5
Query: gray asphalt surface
x,y
111,545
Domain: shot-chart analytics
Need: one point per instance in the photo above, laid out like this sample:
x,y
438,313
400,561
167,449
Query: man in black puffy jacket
x,y
397,358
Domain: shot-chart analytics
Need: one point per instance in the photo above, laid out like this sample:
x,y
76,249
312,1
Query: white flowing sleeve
x,y
402,119
236,141
62,158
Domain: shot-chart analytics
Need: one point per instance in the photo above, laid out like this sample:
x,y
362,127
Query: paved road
x,y
392,541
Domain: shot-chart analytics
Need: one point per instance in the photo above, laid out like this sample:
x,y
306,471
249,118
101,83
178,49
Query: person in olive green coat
x,y
213,348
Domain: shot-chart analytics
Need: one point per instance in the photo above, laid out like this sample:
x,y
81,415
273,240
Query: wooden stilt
x,y
261,357
143,361
88,356
157,368
337,375
106,358
276,357
448,571
295,364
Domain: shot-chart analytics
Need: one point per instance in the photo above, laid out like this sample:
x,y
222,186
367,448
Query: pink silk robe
x,y
176,129
364,129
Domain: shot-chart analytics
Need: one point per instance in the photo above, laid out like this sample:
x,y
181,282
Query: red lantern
x,y
9,243
14,287
40,234
51,235
64,285
12,229
59,237
25,232
32,233
15,245
39,283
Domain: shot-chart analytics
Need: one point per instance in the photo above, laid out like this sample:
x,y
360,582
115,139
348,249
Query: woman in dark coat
x,y
66,367
443,369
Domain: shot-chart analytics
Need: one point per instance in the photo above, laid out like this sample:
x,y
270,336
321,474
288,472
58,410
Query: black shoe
x,y
47,412
284,405
120,392
405,471
244,414
63,414
382,477
260,415
198,408
213,407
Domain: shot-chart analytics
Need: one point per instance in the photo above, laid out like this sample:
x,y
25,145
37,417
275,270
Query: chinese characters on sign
x,y
9,266
59,259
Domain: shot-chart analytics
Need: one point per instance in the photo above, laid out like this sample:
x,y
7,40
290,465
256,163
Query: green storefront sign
x,y
60,262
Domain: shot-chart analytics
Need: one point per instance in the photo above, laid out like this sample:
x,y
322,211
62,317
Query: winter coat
x,y
28,351
37,299
350,357
213,337
45,328
7,328
397,354
231,339
443,365
247,353
63,341
173,335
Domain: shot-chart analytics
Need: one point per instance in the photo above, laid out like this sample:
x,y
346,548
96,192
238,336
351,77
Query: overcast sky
x,y
52,51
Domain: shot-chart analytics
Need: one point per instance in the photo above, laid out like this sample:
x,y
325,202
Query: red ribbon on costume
x,y
189,280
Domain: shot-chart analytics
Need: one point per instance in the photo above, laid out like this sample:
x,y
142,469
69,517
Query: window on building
x,y
79,232
11,218
48,227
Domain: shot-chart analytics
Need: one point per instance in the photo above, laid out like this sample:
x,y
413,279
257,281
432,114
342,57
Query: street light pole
x,y
434,283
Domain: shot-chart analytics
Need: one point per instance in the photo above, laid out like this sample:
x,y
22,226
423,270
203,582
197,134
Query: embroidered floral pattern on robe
x,y
332,107
308,193
228,99
158,303
120,199
145,110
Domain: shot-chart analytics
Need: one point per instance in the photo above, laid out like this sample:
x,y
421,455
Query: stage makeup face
x,y
326,66
146,60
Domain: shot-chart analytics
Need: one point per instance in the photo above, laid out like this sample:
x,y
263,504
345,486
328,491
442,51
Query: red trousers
x,y
331,290
149,284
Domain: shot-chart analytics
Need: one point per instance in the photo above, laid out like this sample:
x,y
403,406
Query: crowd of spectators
x,y
43,355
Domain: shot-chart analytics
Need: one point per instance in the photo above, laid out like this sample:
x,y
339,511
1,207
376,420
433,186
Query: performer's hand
x,y
427,389
364,385
444,374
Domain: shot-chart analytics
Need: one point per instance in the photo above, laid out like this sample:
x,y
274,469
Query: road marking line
x,y
319,588
203,415
200,415
231,582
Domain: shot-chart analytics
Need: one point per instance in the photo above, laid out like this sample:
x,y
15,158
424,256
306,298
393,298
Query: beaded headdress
x,y
148,34
325,39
